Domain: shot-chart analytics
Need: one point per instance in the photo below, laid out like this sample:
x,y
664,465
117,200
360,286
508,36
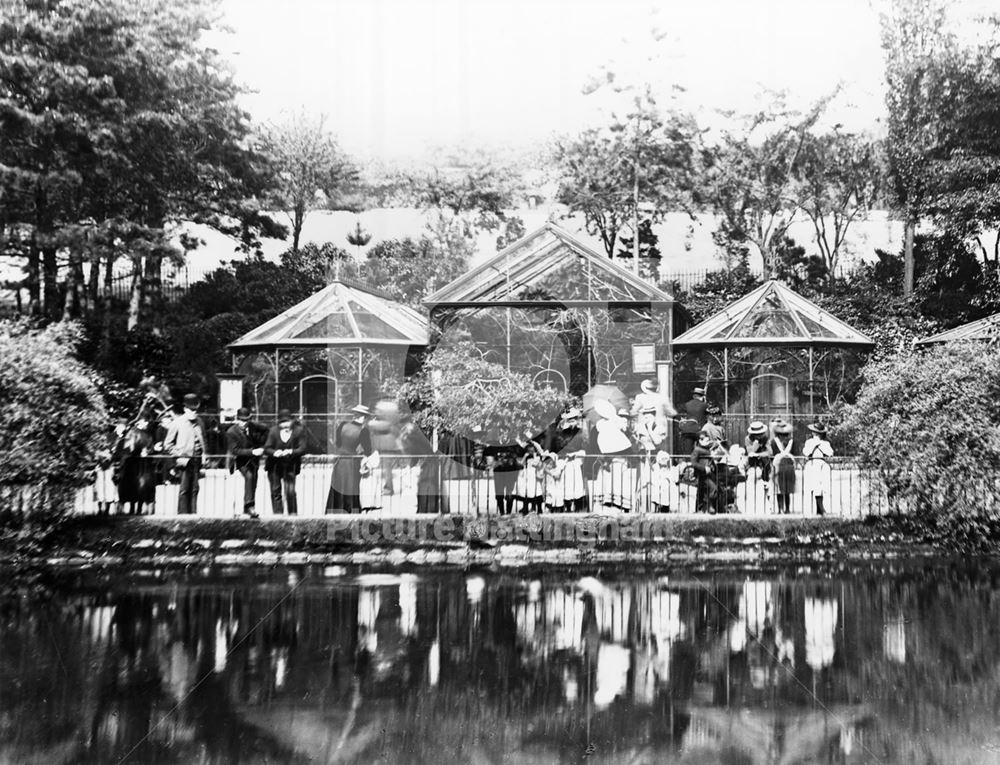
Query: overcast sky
x,y
399,77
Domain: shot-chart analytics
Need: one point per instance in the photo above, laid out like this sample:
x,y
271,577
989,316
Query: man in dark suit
x,y
694,414
244,447
285,445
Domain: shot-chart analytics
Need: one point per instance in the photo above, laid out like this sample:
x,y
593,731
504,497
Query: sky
x,y
398,79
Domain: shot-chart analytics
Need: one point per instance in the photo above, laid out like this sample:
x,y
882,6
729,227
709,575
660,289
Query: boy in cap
x,y
185,442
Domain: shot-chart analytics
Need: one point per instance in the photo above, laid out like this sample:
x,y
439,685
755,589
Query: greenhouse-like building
x,y
983,329
332,351
772,353
552,308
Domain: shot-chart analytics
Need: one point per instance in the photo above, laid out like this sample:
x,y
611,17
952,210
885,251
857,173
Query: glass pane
x,y
773,323
815,328
332,325
371,326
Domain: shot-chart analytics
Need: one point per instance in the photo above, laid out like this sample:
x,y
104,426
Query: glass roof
x,y
340,314
772,314
547,265
981,329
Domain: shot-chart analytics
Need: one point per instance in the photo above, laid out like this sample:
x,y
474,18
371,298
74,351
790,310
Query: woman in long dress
x,y
134,469
351,444
817,475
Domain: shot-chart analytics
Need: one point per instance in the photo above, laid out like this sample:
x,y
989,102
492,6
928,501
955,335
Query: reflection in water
x,y
482,668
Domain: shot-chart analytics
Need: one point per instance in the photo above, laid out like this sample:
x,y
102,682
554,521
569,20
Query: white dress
x,y
817,475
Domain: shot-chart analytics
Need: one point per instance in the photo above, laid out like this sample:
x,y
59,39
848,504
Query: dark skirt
x,y
784,476
345,486
136,480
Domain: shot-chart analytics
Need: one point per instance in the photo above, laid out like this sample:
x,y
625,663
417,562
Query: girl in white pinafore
x,y
817,475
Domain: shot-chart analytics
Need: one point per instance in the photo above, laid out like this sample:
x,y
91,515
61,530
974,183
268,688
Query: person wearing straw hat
x,y
759,454
352,443
817,475
185,442
784,465
569,444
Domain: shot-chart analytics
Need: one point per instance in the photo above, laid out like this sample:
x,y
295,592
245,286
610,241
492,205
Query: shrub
x,y
52,415
928,422
460,392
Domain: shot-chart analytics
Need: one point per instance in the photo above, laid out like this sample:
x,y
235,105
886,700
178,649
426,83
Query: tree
x,y
43,383
940,403
307,165
921,60
836,181
640,166
409,271
748,177
117,121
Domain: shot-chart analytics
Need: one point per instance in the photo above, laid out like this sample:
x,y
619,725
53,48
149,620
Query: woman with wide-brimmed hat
x,y
352,443
817,475
784,465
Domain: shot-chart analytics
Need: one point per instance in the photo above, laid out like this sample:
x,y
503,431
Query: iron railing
x,y
405,484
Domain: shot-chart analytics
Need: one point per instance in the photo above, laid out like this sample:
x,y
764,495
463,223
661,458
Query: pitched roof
x,y
547,265
772,314
982,329
341,313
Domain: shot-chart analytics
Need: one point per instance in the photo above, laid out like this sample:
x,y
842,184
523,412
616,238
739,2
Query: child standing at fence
x,y
664,479
817,476
555,496
784,466
531,483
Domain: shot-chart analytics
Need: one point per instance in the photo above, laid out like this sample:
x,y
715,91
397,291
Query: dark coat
x,y
240,443
292,463
697,410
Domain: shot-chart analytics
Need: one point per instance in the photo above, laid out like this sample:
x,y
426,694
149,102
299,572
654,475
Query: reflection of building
x,y
772,353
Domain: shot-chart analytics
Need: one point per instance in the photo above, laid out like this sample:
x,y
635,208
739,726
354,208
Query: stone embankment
x,y
462,541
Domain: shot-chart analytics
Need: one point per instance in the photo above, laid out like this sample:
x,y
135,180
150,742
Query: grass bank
x,y
461,540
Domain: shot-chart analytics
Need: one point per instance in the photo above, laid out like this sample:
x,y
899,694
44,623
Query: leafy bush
x,y
459,392
52,415
929,423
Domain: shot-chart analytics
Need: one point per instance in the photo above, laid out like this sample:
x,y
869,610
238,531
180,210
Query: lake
x,y
887,663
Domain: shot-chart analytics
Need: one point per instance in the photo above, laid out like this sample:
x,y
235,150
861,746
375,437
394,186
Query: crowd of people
x,y
609,453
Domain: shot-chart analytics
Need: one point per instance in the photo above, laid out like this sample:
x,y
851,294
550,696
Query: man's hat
x,y
242,413
819,429
284,416
699,391
757,428
192,401
361,409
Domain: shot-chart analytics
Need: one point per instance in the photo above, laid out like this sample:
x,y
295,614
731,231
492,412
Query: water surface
x,y
888,664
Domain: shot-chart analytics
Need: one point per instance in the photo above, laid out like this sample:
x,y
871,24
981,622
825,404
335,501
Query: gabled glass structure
x,y
554,309
332,351
772,353
983,329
